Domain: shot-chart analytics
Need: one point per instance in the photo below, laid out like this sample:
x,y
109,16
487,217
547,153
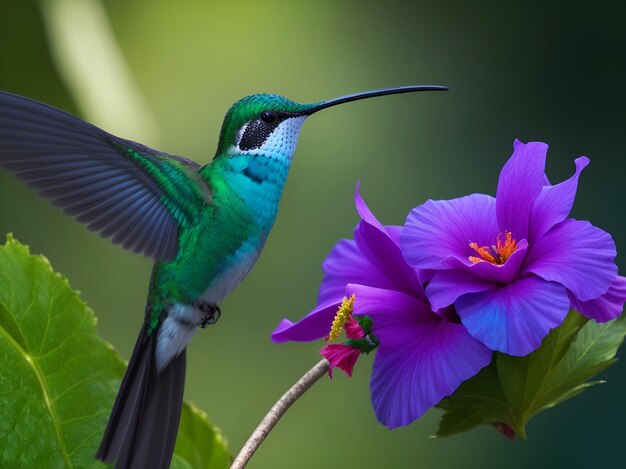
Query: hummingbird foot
x,y
210,313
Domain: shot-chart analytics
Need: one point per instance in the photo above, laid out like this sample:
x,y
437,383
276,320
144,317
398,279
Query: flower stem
x,y
277,411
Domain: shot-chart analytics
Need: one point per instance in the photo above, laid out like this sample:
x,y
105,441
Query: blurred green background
x,y
547,71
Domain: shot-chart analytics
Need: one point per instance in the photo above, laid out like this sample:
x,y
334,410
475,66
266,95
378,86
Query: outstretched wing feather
x,y
81,169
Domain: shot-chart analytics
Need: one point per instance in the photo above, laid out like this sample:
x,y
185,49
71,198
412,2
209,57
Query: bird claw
x,y
211,313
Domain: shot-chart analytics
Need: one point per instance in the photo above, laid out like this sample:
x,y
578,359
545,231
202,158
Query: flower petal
x,y
313,326
554,203
374,260
364,211
340,356
447,285
394,233
520,182
383,253
376,302
577,255
438,229
421,359
346,264
608,306
353,329
514,318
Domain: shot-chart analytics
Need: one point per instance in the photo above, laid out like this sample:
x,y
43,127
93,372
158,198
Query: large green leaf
x,y
58,380
512,390
199,444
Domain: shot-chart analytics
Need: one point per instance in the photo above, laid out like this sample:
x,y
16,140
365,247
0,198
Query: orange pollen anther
x,y
497,254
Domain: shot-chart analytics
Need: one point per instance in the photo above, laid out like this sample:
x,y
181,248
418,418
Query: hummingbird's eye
x,y
267,117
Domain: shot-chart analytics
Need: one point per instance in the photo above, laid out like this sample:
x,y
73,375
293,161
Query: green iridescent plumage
x,y
184,191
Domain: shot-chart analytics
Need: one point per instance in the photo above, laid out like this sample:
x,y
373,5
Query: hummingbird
x,y
204,227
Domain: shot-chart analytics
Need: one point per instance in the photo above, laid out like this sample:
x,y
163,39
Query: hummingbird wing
x,y
123,190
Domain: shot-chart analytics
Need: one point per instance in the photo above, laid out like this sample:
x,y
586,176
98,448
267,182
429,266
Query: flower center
x,y
450,314
496,254
343,314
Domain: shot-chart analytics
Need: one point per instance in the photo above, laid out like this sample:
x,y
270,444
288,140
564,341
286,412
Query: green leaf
x,y
511,390
59,380
199,443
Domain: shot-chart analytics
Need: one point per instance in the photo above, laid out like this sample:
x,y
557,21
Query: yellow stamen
x,y
343,314
497,254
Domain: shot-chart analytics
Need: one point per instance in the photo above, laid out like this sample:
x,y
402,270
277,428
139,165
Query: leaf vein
x,y
44,388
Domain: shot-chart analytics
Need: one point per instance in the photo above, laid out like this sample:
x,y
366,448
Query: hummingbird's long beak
x,y
372,94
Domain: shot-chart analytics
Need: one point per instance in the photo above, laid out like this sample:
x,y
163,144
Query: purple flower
x,y
422,355
513,265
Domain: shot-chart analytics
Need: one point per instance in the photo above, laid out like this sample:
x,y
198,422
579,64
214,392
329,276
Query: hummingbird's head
x,y
268,125
262,125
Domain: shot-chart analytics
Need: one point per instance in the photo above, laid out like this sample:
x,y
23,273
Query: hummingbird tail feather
x,y
142,428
